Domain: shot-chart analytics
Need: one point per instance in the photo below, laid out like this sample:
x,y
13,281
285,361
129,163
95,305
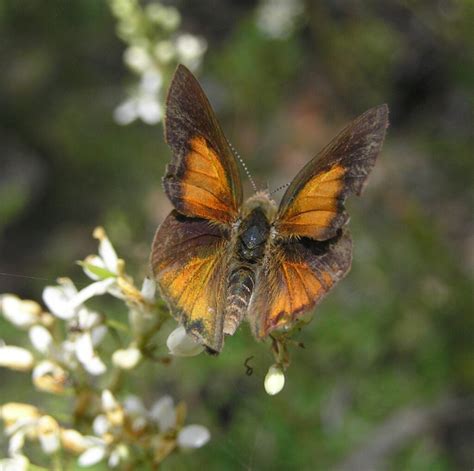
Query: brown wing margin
x,y
203,178
295,276
313,205
189,264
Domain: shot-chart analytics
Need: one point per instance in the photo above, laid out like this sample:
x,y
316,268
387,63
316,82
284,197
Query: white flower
x,y
16,358
18,463
100,425
148,289
126,359
11,412
165,51
64,301
87,328
112,408
21,313
167,17
40,338
181,344
277,18
50,377
73,441
193,436
93,454
144,106
274,380
151,81
164,413
137,58
48,434
118,454
190,49
136,412
98,450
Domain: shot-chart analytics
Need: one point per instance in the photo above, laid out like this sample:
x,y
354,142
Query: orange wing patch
x,y
204,187
187,287
189,263
316,211
299,290
294,277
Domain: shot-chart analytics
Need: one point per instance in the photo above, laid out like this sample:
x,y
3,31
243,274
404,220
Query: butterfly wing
x,y
202,179
189,263
295,276
313,205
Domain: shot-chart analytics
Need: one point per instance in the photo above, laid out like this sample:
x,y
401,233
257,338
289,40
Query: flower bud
x,y
16,358
274,380
181,344
126,359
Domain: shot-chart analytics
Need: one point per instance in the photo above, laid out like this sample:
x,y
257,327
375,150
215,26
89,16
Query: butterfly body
x,y
218,260
251,238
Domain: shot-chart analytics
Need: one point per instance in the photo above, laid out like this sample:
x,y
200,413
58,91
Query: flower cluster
x,y
65,357
278,18
154,48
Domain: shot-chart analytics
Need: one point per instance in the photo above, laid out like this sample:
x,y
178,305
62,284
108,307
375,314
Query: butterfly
x,y
218,260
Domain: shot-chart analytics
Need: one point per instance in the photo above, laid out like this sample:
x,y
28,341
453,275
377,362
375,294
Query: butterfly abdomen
x,y
240,289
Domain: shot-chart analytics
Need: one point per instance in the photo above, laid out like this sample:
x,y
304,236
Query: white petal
x,y
119,454
190,47
58,302
274,380
114,459
16,443
106,250
151,81
97,288
50,377
95,366
40,338
48,434
100,425
108,401
149,109
68,286
193,436
98,333
16,358
133,406
164,51
95,261
181,344
22,313
164,413
126,358
73,441
18,463
91,456
84,347
87,319
148,289
137,58
125,114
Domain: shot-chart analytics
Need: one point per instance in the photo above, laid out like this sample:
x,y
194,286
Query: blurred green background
x,y
386,378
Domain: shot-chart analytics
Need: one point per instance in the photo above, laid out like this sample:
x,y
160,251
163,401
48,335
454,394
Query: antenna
x,y
280,188
246,170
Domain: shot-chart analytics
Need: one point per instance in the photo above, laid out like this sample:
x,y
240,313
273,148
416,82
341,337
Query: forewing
x,y
202,179
313,205
188,262
295,276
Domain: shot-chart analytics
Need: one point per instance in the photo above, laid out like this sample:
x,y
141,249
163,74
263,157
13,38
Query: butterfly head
x,y
260,200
